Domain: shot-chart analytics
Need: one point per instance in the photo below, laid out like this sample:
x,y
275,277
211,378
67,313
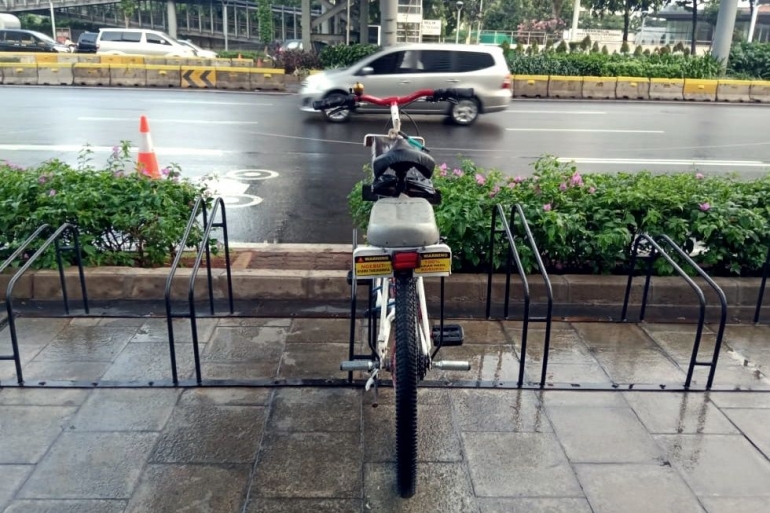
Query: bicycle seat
x,y
401,157
402,223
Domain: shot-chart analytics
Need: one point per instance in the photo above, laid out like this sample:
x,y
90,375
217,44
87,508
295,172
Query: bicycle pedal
x,y
453,335
357,365
452,365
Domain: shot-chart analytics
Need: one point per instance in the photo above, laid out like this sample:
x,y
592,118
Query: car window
x,y
112,36
12,37
132,37
388,63
436,61
474,61
155,39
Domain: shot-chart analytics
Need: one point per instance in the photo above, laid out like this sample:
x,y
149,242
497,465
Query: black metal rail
x,y
761,296
657,250
209,224
52,239
513,255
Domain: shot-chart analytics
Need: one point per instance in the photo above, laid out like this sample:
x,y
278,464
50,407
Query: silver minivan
x,y
115,41
405,68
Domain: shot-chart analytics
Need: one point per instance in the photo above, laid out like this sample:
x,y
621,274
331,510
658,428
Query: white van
x,y
117,41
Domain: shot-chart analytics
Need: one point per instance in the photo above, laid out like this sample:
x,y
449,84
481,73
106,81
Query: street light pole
x,y
457,30
575,19
478,31
53,20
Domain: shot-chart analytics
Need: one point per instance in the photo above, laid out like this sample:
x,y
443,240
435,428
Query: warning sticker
x,y
439,262
374,265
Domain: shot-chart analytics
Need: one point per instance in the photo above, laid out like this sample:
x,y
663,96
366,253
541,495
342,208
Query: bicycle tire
x,y
405,382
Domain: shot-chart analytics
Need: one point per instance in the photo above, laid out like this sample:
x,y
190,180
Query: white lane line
x,y
587,112
75,148
175,121
667,162
586,130
203,102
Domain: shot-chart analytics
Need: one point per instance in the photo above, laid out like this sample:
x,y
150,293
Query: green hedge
x,y
585,223
124,217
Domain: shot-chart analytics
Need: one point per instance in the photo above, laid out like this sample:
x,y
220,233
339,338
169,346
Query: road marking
x,y
586,130
203,102
175,121
667,162
251,174
587,112
76,148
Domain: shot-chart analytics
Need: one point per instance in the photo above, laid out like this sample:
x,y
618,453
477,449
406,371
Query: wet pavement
x,y
286,174
238,449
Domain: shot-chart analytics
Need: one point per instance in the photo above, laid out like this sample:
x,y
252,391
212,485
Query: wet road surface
x,y
286,174
292,450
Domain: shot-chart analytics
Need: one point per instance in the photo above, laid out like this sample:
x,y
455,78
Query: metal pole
x,y
53,20
224,22
753,23
347,25
478,33
457,29
723,36
575,19
389,16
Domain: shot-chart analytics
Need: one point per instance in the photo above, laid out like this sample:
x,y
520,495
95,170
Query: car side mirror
x,y
366,70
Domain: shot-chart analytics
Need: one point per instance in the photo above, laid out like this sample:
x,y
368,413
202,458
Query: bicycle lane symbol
x,y
232,186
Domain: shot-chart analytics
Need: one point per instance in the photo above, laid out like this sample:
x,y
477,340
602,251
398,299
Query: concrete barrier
x,y
163,75
242,63
128,75
55,73
601,88
733,91
268,79
26,58
19,73
530,86
198,77
121,59
666,88
565,87
46,58
760,91
633,88
220,63
700,89
91,74
234,78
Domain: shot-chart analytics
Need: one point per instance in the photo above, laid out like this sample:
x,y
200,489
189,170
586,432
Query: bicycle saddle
x,y
401,157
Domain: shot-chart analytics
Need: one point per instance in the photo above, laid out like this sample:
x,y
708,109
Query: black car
x,y
17,40
87,42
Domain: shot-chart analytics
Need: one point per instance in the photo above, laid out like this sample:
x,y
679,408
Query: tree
x,y
603,7
265,19
128,8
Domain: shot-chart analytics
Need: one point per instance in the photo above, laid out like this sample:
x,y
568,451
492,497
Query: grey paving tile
x,y
603,435
67,506
583,374
86,344
90,466
754,425
713,465
386,395
319,331
441,487
679,345
534,506
210,434
34,332
258,505
499,410
575,398
751,342
319,360
255,321
674,412
131,322
11,479
64,371
150,362
483,332
26,432
249,344
220,489
309,465
227,396
519,465
731,372
736,399
333,409
636,489
42,397
488,363
436,437
241,370
673,327
736,504
27,353
565,347
126,410
156,330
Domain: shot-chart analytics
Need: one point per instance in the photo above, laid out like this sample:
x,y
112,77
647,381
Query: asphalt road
x,y
286,174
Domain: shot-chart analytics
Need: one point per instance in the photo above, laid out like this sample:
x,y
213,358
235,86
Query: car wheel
x,y
338,116
464,112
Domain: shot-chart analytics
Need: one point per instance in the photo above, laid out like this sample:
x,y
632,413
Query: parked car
x,y
116,41
18,40
405,68
199,52
296,44
87,42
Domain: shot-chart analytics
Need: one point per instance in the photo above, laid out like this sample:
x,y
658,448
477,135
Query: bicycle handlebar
x,y
432,95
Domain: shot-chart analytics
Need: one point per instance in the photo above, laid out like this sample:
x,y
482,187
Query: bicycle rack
x,y
200,204
52,239
513,254
657,250
760,298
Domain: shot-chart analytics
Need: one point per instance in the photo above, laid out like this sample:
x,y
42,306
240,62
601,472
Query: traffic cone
x,y
147,162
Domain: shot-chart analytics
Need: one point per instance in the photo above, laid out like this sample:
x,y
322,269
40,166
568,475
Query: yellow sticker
x,y
373,265
439,262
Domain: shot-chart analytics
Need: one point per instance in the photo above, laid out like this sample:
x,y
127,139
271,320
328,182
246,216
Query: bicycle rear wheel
x,y
405,383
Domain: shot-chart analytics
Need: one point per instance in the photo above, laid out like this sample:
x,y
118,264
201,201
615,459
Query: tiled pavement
x,y
329,450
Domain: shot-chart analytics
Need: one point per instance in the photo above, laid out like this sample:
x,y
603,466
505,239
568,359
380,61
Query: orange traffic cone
x,y
239,56
147,162
259,62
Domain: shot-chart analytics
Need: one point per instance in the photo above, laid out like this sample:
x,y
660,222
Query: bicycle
x,y
403,247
